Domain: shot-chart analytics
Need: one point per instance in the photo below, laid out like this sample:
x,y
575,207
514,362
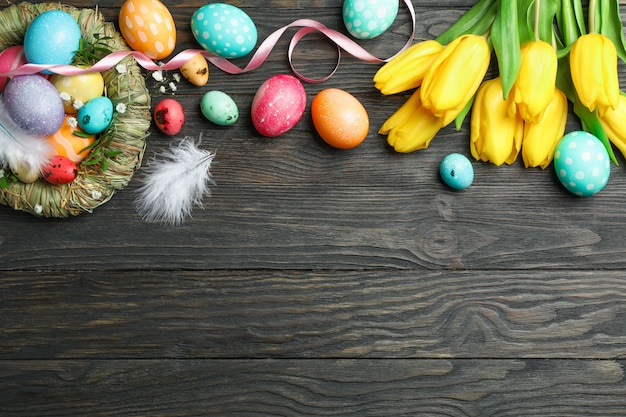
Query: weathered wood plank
x,y
294,314
312,388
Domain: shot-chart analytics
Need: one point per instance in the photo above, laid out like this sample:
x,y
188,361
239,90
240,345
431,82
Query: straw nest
x,y
125,138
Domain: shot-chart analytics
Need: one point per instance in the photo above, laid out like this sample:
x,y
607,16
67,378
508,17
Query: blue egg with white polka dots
x,y
367,19
582,163
224,30
456,171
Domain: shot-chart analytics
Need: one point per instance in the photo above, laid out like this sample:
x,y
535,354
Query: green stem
x,y
537,18
593,6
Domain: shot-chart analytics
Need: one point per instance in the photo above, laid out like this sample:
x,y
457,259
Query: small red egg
x,y
169,116
339,118
60,170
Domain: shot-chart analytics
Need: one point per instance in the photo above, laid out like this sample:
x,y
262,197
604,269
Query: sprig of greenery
x,y
90,53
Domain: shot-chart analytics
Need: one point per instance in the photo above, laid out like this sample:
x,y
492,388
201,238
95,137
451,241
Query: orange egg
x,y
148,27
339,118
69,145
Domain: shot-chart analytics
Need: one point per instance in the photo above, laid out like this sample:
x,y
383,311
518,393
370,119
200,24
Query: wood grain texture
x,y
321,282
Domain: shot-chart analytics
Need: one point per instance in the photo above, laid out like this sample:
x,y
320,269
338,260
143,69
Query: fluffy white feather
x,y
18,148
175,182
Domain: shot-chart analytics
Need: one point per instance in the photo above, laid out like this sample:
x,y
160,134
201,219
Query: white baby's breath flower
x,y
120,108
96,195
120,68
38,209
65,96
1,172
72,122
158,75
172,86
77,104
162,89
176,77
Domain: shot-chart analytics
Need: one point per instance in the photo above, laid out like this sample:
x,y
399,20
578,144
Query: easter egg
x,y
25,173
34,105
148,27
582,163
11,58
224,30
96,115
60,170
78,89
278,105
196,70
53,37
66,143
169,116
367,19
456,171
339,118
219,108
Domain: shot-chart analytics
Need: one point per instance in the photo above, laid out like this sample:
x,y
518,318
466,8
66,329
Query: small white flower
x,y
1,172
158,75
72,122
162,89
65,96
176,77
120,108
120,68
96,195
172,86
77,104
38,209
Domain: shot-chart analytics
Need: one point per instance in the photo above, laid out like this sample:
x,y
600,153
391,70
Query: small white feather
x,y
175,182
19,149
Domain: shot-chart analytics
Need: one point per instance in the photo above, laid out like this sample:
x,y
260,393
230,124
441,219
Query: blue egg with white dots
x,y
456,171
582,163
367,19
224,30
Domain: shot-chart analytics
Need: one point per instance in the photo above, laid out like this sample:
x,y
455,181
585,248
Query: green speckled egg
x,y
367,19
219,108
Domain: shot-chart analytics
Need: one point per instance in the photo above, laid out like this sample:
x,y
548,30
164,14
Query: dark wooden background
x,y
318,281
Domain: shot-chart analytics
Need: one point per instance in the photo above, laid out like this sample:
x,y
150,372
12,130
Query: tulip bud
x,y
454,76
495,134
540,138
535,83
593,65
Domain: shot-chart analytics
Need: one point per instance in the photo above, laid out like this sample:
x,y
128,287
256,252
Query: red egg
x,y
60,170
278,105
10,59
169,116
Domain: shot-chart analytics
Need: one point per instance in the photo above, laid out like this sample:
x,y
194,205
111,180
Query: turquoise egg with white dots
x,y
224,30
582,163
367,19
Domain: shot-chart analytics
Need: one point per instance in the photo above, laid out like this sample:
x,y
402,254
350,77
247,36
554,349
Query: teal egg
x,y
582,163
457,171
367,19
224,30
219,108
96,115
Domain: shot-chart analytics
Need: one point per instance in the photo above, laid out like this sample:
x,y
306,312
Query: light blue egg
x,y
456,171
96,115
582,163
224,30
219,108
53,37
367,19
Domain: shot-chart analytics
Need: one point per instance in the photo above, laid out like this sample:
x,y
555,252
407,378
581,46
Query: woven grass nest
x,y
125,137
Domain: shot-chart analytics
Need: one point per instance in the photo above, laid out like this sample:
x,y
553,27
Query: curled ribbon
x,y
342,42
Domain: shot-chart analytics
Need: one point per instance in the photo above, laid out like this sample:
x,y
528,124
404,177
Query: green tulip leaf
x,y
610,25
506,43
475,21
547,14
591,123
526,18
458,121
567,22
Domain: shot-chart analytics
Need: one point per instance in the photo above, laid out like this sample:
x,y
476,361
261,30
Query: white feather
x,y
17,148
174,183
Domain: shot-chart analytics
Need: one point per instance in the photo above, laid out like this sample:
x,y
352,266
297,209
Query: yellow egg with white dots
x,y
77,89
148,27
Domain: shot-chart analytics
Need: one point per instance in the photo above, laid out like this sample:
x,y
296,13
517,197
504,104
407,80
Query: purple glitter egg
x,y
34,105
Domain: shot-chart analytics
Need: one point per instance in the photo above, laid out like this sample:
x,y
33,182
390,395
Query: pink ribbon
x,y
342,42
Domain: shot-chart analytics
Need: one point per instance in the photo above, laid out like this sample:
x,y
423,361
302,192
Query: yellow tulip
x,y
495,134
614,124
534,86
411,127
540,138
454,76
406,71
593,65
